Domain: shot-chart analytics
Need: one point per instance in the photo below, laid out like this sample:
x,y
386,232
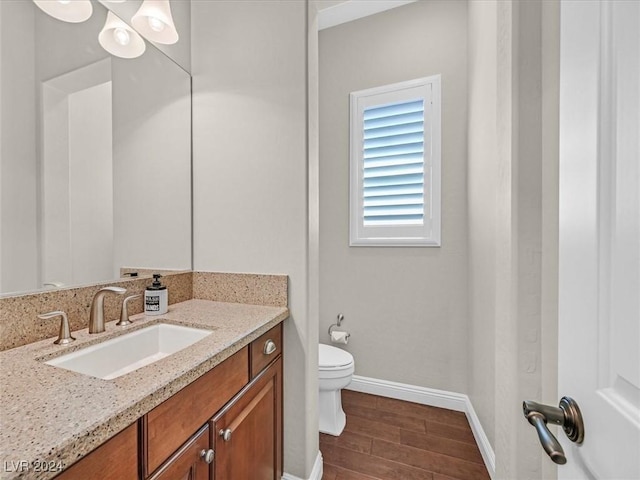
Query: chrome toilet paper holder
x,y
337,325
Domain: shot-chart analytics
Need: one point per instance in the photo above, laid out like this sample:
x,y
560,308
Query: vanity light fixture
x,y
153,20
72,11
120,39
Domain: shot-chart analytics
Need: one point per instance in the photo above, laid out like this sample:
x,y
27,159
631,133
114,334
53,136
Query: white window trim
x,y
427,235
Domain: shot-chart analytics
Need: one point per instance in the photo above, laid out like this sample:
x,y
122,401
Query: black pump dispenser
x,y
156,285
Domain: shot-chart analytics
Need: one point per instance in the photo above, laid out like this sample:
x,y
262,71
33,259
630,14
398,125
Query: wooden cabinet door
x,y
188,462
247,433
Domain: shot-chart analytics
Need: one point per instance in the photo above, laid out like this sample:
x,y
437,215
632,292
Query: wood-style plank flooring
x,y
388,439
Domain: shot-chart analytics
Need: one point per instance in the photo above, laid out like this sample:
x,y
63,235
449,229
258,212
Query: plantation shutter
x,y
393,163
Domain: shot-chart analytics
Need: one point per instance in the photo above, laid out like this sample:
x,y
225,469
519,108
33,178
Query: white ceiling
x,y
336,12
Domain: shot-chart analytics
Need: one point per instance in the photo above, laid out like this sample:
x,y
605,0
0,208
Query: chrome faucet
x,y
96,317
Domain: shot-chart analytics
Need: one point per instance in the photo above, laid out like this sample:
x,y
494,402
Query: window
x,y
395,165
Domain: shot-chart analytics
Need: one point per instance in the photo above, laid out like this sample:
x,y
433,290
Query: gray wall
x,y
513,123
250,154
18,166
482,184
406,308
550,206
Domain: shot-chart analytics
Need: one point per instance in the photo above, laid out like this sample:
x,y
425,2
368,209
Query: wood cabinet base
x,y
117,459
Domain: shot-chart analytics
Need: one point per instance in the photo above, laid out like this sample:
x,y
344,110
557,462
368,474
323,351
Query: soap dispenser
x,y
156,297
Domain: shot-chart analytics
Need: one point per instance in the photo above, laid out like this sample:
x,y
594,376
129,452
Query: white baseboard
x,y
409,393
486,450
316,472
435,398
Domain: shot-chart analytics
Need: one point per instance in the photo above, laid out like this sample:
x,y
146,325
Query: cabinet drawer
x,y
173,422
117,459
262,351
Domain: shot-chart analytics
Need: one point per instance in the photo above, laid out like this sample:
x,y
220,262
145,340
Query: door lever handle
x,y
548,441
567,415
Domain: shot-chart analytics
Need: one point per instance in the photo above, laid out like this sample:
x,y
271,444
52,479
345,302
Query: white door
x,y
599,311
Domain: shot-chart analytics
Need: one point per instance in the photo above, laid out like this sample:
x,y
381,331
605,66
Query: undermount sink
x,y
126,353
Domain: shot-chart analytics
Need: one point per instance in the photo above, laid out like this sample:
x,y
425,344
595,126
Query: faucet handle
x,y
124,314
64,336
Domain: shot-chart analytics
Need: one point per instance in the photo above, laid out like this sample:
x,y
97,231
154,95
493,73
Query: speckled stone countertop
x,y
48,414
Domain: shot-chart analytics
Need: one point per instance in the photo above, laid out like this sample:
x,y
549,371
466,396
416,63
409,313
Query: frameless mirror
x,y
95,154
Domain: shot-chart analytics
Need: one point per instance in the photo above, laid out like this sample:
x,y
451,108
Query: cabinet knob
x,y
269,347
207,455
225,434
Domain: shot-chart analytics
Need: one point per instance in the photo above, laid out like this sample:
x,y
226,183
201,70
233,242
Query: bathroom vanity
x,y
211,411
230,418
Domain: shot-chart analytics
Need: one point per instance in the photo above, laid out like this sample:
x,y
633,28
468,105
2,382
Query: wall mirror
x,y
95,154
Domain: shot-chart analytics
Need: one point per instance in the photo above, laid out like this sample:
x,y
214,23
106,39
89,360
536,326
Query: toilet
x,y
335,369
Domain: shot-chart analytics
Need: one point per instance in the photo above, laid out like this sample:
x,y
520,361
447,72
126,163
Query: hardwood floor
x,y
387,439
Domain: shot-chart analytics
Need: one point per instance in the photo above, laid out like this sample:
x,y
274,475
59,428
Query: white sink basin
x,y
126,353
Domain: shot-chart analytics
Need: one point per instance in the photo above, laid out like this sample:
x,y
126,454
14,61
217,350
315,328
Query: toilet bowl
x,y
335,369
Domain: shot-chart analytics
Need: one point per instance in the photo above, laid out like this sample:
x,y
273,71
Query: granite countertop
x,y
48,414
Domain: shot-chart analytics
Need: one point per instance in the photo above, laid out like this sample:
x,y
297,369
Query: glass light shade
x,y
119,39
121,36
153,20
73,11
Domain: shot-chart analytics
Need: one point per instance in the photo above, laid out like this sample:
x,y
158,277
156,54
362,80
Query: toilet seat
x,y
333,358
